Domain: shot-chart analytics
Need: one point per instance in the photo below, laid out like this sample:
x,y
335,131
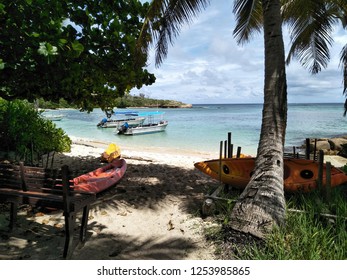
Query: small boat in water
x,y
151,126
121,117
54,118
49,115
143,129
102,178
300,175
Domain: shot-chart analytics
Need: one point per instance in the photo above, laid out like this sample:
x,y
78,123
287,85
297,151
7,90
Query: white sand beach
x,y
153,213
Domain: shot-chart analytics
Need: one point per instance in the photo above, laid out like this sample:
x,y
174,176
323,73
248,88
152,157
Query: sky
x,y
207,66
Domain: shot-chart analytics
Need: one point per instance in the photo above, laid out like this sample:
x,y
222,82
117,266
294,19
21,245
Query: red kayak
x,y
102,178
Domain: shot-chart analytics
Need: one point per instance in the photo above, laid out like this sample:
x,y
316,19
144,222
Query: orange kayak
x,y
101,178
299,174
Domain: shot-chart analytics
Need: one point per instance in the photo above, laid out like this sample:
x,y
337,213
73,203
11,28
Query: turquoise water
x,y
202,127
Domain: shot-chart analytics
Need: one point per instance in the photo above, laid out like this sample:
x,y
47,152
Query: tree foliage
x,y
26,133
81,51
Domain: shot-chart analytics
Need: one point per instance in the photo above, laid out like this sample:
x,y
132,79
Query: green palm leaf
x,y
249,19
163,23
343,64
311,23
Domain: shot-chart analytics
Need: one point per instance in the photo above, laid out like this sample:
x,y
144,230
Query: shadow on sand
x,y
146,188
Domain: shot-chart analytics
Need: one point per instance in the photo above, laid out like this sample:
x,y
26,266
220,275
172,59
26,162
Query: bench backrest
x,y
41,180
30,178
10,176
55,183
52,181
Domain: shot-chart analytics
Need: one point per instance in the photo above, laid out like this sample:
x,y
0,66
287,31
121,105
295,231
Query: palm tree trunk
x,y
262,203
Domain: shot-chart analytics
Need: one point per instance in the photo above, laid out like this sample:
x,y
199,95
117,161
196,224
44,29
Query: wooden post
x,y
225,148
238,154
220,160
294,153
320,170
231,150
308,148
328,181
226,186
66,188
22,176
315,150
229,145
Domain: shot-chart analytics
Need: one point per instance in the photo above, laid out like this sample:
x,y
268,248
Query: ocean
x,y
202,127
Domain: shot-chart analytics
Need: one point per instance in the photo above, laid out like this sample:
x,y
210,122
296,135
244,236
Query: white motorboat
x,y
144,129
130,117
151,126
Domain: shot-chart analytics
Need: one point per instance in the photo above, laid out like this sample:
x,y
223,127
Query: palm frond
x,y
145,39
249,18
163,24
311,23
343,12
343,65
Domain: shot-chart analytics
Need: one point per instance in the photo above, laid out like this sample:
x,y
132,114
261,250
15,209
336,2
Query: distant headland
x,y
130,101
127,101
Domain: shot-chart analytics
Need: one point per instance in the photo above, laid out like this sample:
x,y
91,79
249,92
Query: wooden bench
x,y
37,186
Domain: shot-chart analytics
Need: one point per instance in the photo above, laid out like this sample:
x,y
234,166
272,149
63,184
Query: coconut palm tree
x,y
311,24
262,204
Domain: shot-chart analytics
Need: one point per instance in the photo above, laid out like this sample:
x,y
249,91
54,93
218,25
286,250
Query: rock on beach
x,y
330,146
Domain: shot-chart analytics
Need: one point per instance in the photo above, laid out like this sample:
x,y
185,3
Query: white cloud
x,y
205,65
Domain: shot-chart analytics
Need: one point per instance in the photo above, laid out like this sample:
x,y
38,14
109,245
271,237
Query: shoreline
x,y
174,157
183,134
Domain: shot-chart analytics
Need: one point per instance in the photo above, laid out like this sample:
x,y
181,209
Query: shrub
x,y
24,132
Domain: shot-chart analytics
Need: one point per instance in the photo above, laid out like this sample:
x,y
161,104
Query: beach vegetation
x,y
261,206
81,51
26,135
315,229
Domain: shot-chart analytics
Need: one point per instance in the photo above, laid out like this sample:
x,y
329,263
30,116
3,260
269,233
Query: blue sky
x,y
205,65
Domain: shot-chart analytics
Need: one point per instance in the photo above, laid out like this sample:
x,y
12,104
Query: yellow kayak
x,y
299,174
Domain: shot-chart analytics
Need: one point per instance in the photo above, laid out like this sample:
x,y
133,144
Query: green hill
x,y
123,102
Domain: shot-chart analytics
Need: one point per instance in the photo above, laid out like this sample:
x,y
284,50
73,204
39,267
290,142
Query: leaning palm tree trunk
x,y
262,203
